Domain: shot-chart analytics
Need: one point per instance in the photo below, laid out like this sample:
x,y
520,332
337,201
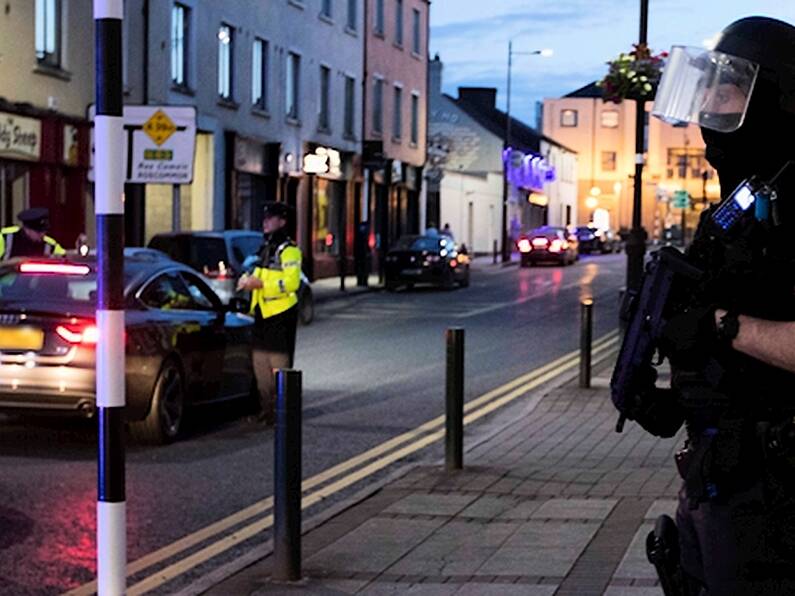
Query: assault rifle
x,y
646,313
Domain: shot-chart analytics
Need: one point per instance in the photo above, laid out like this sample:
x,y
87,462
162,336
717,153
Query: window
x,y
378,17
416,43
259,74
169,292
397,117
325,84
293,85
225,41
179,45
48,32
351,23
325,9
399,22
201,294
608,161
350,102
415,118
568,118
378,106
609,119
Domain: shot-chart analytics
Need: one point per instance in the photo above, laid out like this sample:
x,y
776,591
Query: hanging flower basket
x,y
633,76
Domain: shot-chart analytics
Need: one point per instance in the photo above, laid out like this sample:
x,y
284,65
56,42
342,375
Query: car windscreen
x,y
205,254
419,243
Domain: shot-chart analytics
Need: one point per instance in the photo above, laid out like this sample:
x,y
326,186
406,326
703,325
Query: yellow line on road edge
x,y
224,544
261,506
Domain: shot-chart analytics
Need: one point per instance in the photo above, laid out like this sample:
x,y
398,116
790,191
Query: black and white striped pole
x,y
109,188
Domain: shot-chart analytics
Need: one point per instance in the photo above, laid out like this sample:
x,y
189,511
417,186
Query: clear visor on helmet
x,y
705,87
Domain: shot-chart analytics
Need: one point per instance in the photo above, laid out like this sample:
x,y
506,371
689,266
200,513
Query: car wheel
x,y
166,414
464,283
306,308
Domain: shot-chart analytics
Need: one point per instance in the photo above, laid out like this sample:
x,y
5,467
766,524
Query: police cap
x,y
276,209
35,218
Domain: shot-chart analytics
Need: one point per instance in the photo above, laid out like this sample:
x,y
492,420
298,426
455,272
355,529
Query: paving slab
x,y
591,509
431,504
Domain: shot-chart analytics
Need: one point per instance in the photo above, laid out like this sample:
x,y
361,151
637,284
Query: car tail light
x,y
87,335
524,245
223,272
453,263
540,242
54,268
556,246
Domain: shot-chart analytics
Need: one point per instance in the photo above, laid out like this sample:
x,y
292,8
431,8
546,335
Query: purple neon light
x,y
531,172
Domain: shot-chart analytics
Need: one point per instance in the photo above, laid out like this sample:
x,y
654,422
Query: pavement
x,y
553,502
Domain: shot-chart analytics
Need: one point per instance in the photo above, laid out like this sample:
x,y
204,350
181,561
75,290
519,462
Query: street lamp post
x,y
506,252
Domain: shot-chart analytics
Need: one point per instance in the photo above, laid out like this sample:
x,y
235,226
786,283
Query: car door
x,y
190,330
234,331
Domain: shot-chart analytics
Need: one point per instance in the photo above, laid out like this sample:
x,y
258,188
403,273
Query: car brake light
x,y
86,335
453,263
524,245
539,242
556,246
54,268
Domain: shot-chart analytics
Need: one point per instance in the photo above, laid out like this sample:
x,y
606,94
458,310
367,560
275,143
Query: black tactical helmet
x,y
276,209
771,44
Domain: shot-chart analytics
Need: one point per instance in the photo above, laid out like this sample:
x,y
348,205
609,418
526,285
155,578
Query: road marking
x,y
505,394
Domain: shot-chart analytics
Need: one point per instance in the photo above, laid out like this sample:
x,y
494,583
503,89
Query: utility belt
x,y
719,461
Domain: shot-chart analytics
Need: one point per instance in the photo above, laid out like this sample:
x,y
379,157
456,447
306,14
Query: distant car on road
x,y
183,346
597,240
220,256
547,244
435,260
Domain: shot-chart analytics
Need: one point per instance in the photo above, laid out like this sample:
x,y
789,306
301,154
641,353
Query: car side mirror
x,y
238,304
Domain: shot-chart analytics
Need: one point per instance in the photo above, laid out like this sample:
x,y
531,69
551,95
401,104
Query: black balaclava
x,y
762,145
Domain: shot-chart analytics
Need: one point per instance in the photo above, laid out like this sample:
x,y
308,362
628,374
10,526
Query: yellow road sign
x,y
159,127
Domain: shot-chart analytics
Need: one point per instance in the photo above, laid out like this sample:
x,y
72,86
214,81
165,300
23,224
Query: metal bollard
x,y
454,417
494,254
586,336
287,477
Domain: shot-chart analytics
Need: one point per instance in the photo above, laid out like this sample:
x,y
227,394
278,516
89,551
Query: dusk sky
x,y
471,37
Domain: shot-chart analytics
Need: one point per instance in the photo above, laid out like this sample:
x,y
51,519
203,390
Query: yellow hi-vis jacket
x,y
51,247
280,282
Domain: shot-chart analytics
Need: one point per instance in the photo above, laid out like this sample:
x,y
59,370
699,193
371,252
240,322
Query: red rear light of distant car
x,y
540,242
54,268
87,335
453,263
556,246
524,245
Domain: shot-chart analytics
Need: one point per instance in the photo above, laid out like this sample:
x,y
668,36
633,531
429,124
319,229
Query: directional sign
x,y
160,142
681,199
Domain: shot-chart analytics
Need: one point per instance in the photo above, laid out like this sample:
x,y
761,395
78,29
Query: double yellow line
x,y
378,457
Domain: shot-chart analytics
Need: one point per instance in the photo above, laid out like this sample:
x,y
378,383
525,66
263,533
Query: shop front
x,y
43,163
332,206
252,180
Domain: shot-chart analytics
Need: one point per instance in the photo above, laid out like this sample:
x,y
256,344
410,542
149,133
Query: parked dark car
x,y
183,346
597,240
432,260
220,257
547,244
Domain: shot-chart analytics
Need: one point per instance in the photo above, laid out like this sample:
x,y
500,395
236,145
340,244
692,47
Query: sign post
x,y
109,166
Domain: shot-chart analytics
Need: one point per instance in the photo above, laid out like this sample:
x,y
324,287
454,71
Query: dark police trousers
x,y
743,543
274,348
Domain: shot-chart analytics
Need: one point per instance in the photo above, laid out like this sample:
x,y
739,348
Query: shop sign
x,y
324,161
160,142
527,171
20,138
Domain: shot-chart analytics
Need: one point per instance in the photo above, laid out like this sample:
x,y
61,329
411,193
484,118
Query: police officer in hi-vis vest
x,y
30,239
274,284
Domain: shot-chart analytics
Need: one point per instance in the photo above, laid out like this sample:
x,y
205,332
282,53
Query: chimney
x,y
482,97
435,77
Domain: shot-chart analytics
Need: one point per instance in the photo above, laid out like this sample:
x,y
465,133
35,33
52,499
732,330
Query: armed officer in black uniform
x,y
732,350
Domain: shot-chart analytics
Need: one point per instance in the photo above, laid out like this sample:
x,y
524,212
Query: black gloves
x,y
689,338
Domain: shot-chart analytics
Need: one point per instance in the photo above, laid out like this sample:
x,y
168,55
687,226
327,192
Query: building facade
x,y
468,133
47,71
603,134
395,120
277,88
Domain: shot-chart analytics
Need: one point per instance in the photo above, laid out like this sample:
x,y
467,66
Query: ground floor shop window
x,y
159,209
327,215
14,191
